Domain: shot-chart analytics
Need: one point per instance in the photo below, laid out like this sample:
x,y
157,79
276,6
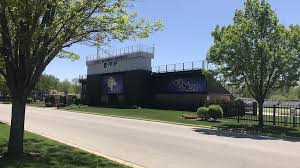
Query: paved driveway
x,y
160,145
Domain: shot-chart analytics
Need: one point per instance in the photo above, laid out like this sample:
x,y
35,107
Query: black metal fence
x,y
286,115
5,99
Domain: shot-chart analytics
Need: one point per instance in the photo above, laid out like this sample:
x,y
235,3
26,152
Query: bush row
x,y
211,112
230,108
29,100
50,101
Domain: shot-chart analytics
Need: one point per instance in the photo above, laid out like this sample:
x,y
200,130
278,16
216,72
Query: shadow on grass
x,y
50,154
253,132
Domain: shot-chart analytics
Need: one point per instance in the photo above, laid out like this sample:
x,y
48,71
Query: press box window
x,y
110,64
105,65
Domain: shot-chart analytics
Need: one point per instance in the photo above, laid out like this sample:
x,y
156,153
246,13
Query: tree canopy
x,y
34,32
4,91
47,83
256,51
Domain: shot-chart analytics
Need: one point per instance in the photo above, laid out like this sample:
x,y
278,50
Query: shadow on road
x,y
253,132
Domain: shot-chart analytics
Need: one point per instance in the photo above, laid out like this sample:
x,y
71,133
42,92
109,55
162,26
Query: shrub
x,y
49,104
135,107
50,99
231,108
76,101
219,101
234,108
29,100
202,112
215,112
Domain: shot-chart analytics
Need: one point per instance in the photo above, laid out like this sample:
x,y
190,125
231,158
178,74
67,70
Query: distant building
x,y
126,77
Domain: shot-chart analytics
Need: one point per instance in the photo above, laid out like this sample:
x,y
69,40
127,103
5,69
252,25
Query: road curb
x,y
250,134
132,118
142,119
89,150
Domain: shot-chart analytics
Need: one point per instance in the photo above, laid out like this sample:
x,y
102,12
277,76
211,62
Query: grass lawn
x,y
37,104
174,116
52,154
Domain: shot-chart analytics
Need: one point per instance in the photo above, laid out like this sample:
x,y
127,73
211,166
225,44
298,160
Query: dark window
x,y
110,64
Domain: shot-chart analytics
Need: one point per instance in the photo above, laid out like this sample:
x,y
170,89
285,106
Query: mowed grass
x,y
175,116
37,104
143,113
51,154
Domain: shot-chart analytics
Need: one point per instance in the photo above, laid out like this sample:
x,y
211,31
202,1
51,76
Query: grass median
x,y
175,117
50,154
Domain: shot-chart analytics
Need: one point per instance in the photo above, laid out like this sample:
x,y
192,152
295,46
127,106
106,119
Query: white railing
x,y
82,77
120,52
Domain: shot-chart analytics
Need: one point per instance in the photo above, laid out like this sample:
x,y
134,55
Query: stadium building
x,y
126,77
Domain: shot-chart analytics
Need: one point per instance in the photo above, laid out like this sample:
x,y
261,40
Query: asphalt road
x,y
159,145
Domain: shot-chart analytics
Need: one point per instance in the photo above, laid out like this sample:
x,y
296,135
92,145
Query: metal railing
x,y
185,66
82,77
287,115
120,52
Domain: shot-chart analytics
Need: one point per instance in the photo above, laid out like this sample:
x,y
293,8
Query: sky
x,y
187,33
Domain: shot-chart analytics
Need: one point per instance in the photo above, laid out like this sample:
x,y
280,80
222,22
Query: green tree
x,y
66,87
33,33
256,51
4,91
75,86
47,83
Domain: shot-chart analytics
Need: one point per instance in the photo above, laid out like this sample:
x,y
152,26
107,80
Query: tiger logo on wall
x,y
187,86
111,83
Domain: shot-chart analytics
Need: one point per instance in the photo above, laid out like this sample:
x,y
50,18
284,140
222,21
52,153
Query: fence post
x,y
238,114
293,114
274,114
192,65
255,108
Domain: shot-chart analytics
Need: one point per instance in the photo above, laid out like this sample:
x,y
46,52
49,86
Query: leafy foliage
x,y
47,83
215,111
212,111
202,112
4,91
256,51
230,108
50,82
29,100
33,33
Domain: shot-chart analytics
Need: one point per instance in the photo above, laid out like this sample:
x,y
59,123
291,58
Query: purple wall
x,y
182,85
188,85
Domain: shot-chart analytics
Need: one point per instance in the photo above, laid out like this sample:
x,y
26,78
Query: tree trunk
x,y
260,114
15,144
